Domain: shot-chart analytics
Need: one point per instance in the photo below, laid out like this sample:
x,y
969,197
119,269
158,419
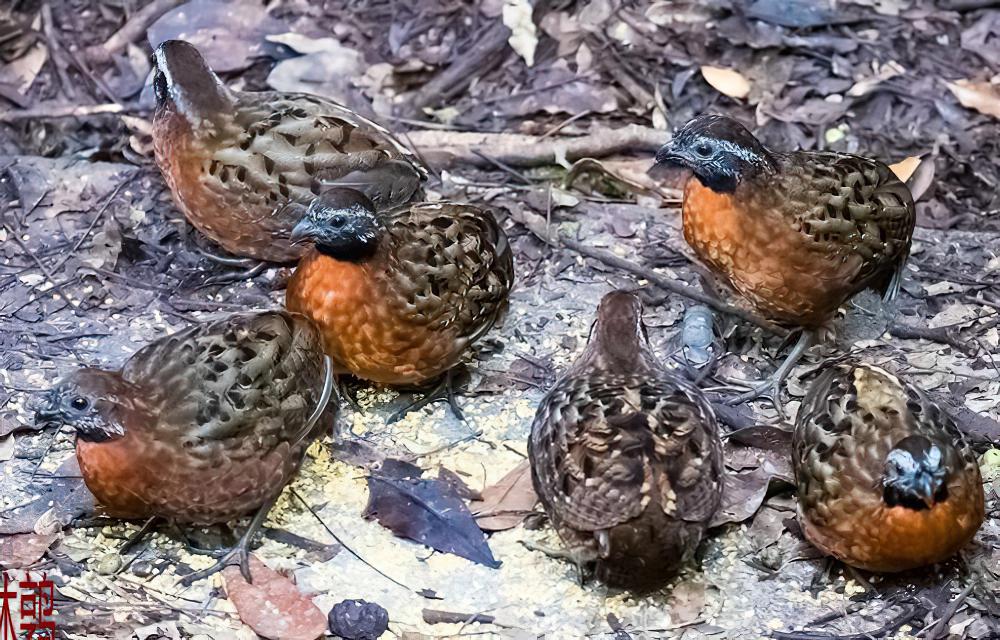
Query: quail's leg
x,y
444,390
138,536
238,555
771,388
560,554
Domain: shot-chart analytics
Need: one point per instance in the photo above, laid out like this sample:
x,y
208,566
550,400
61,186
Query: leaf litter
x,y
122,269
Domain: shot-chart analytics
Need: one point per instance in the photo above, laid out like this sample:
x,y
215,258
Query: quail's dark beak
x,y
48,415
669,155
925,489
304,231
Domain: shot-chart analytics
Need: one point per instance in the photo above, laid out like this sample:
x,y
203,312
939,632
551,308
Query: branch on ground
x,y
446,149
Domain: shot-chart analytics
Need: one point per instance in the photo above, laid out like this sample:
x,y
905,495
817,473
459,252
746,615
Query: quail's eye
x,y
338,220
704,150
79,403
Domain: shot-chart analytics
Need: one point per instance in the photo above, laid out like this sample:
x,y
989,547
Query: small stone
x,y
358,620
110,563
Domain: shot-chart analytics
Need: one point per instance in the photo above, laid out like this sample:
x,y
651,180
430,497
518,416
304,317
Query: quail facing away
x,y
795,234
400,295
626,457
202,426
243,166
886,481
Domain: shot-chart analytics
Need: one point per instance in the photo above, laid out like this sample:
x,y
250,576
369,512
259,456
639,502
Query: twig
x,y
457,148
59,111
488,51
344,544
940,630
135,27
536,224
890,627
93,222
941,335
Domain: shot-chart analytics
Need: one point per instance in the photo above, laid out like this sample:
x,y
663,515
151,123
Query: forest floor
x,y
95,261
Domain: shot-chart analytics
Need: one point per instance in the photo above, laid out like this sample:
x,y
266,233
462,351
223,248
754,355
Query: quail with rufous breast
x,y
202,426
886,480
794,234
400,295
625,456
243,166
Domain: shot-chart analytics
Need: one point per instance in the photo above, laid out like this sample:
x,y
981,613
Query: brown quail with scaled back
x,y
202,426
796,234
626,457
886,481
400,295
243,166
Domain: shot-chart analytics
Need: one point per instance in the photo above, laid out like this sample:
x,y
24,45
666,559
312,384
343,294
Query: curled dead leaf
x,y
905,167
505,504
726,81
981,96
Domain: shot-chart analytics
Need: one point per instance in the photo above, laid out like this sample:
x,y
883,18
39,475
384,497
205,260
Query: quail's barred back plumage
x,y
201,426
400,295
794,234
625,457
886,480
243,166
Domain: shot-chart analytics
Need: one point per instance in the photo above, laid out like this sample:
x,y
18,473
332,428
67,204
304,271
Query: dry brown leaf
x,y
726,81
24,549
686,602
905,167
505,504
273,606
981,96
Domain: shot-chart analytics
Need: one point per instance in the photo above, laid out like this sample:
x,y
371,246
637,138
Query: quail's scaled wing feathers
x,y
633,461
851,418
853,208
799,243
245,176
230,406
451,266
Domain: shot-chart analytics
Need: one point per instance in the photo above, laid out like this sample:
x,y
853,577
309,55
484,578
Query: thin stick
x,y
537,227
344,545
59,111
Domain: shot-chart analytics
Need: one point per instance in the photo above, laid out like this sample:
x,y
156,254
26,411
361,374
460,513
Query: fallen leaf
x,y
981,96
905,167
726,81
686,602
228,34
506,503
273,606
60,501
21,73
428,512
326,68
24,549
517,15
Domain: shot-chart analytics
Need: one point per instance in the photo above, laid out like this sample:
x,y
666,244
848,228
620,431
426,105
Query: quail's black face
x,y
915,474
342,223
78,401
719,150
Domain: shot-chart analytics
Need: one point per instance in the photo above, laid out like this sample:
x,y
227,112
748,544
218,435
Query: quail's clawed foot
x,y
239,554
771,388
443,391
